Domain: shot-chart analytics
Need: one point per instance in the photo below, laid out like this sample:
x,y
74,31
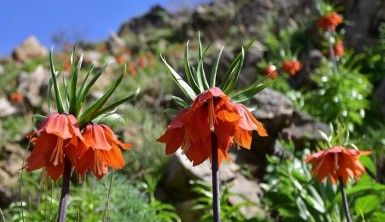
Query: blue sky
x,y
91,20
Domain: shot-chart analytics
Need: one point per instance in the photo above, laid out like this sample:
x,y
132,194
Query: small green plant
x,y
340,95
229,213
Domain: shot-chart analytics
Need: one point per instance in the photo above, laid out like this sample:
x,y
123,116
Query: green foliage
x,y
291,192
341,95
229,213
91,201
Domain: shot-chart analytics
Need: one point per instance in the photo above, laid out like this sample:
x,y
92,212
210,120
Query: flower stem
x,y
345,201
64,190
331,51
215,178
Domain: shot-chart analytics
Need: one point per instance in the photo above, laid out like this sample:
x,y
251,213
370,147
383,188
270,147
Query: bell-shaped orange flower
x,y
271,71
292,66
212,112
330,21
58,134
103,151
339,49
335,163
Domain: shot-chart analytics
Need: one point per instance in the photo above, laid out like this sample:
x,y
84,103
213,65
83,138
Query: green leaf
x,y
170,112
74,80
201,75
250,91
190,78
367,204
186,89
83,93
214,69
179,101
92,112
232,74
54,73
369,164
119,102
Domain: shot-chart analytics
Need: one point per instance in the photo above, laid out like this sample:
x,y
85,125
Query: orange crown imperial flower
x,y
103,151
57,135
211,112
271,71
330,21
339,49
292,66
337,163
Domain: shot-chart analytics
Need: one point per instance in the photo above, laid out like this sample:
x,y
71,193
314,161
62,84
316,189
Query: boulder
x,y
274,109
156,18
304,131
29,49
180,172
6,108
115,44
32,85
11,161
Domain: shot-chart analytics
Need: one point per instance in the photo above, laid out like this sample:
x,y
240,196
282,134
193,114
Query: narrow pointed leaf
x,y
179,101
250,91
91,112
74,80
232,74
119,102
189,75
58,99
186,89
82,94
214,69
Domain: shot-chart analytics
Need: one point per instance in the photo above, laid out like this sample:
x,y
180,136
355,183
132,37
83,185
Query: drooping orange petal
x,y
59,125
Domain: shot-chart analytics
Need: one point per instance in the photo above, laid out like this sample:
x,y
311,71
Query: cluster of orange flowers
x,y
330,21
291,66
212,113
337,163
16,97
134,66
95,148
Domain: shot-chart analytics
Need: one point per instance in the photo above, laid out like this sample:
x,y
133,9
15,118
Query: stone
x,y
304,130
274,109
91,57
33,85
180,172
6,108
115,44
12,161
156,18
31,48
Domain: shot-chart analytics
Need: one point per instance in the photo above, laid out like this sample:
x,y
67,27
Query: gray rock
x,y
274,110
1,70
304,130
180,171
115,44
91,57
32,85
6,108
29,49
10,172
